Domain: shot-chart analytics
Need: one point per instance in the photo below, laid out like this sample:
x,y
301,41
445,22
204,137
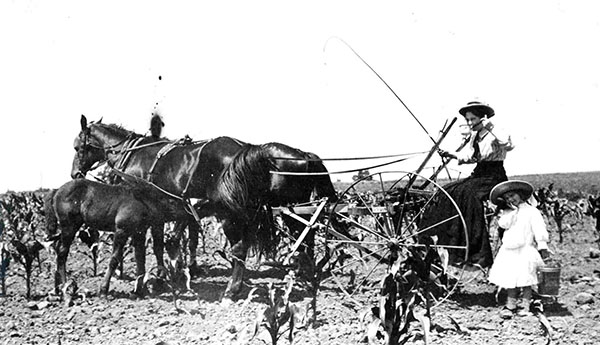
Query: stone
x,y
584,298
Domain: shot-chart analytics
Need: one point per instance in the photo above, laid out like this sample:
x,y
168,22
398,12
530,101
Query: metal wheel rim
x,y
384,236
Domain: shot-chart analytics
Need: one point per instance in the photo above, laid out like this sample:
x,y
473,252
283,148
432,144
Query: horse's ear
x,y
100,121
83,122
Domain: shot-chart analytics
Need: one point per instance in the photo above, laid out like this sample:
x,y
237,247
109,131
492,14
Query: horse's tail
x,y
242,189
323,185
50,215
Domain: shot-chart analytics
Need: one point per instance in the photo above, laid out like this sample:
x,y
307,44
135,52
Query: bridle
x,y
106,150
125,145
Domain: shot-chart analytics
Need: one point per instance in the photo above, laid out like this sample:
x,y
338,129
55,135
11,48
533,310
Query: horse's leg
x,y
62,247
238,252
116,256
139,245
158,243
95,234
193,231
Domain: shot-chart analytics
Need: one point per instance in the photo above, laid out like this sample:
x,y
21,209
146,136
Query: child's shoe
x,y
525,308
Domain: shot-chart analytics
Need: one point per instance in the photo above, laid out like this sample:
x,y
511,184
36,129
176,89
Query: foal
x,y
127,209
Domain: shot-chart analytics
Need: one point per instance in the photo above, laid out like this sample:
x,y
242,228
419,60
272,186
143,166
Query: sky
x,y
284,71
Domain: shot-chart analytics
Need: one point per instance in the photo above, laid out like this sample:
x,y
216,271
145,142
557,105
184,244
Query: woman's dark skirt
x,y
469,195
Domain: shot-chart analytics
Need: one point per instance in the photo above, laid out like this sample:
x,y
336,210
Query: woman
x,y
486,146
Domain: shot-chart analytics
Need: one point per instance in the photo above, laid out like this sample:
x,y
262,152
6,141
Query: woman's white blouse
x,y
493,146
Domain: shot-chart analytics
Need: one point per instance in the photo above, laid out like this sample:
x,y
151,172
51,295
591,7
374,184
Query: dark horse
x,y
218,172
127,209
87,235
270,175
183,169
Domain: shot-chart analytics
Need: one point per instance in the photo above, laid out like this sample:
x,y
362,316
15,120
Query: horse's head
x,y
88,150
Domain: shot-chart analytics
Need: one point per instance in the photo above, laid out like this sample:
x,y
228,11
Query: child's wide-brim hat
x,y
478,108
525,188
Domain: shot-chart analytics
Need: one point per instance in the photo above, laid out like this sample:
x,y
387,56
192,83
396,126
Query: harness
x,y
164,151
125,152
133,145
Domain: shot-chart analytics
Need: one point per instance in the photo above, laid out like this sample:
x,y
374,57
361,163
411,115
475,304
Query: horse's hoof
x,y
140,287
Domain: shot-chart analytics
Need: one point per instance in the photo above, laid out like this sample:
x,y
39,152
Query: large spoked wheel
x,y
388,221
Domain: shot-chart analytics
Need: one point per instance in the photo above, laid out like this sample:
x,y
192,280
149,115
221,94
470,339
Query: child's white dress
x,y
518,258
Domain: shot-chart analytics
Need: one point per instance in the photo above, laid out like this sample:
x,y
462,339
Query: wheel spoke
x,y
362,227
421,210
350,241
366,277
430,227
434,246
376,229
373,254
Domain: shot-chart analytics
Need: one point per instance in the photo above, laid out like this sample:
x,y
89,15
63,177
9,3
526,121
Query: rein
x,y
288,173
347,158
111,148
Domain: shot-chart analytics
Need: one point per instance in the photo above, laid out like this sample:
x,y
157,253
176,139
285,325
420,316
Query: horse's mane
x,y
243,182
115,129
241,189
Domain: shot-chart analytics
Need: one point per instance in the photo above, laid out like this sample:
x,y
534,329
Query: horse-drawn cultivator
x,y
383,223
381,237
376,228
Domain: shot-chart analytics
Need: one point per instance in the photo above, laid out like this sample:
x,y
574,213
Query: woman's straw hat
x,y
478,108
500,189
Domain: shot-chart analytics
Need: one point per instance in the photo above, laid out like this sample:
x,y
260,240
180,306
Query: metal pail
x,y
548,280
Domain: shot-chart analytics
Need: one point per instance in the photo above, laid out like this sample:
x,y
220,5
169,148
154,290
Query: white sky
x,y
258,71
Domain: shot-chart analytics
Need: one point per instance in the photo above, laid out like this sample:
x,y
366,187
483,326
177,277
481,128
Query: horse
x,y
218,172
180,168
127,210
264,176
87,235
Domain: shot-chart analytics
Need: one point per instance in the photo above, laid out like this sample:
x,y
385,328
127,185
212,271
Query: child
x,y
525,234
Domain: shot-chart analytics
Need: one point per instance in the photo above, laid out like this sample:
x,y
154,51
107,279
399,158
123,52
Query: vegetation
x,y
21,214
280,312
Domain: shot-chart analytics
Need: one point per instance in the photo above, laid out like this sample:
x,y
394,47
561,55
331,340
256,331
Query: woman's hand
x,y
486,123
446,154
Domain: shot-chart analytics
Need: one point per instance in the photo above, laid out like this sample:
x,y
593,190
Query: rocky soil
x,y
469,316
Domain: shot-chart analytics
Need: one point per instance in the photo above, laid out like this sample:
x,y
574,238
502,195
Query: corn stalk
x,y
21,216
279,313
404,298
